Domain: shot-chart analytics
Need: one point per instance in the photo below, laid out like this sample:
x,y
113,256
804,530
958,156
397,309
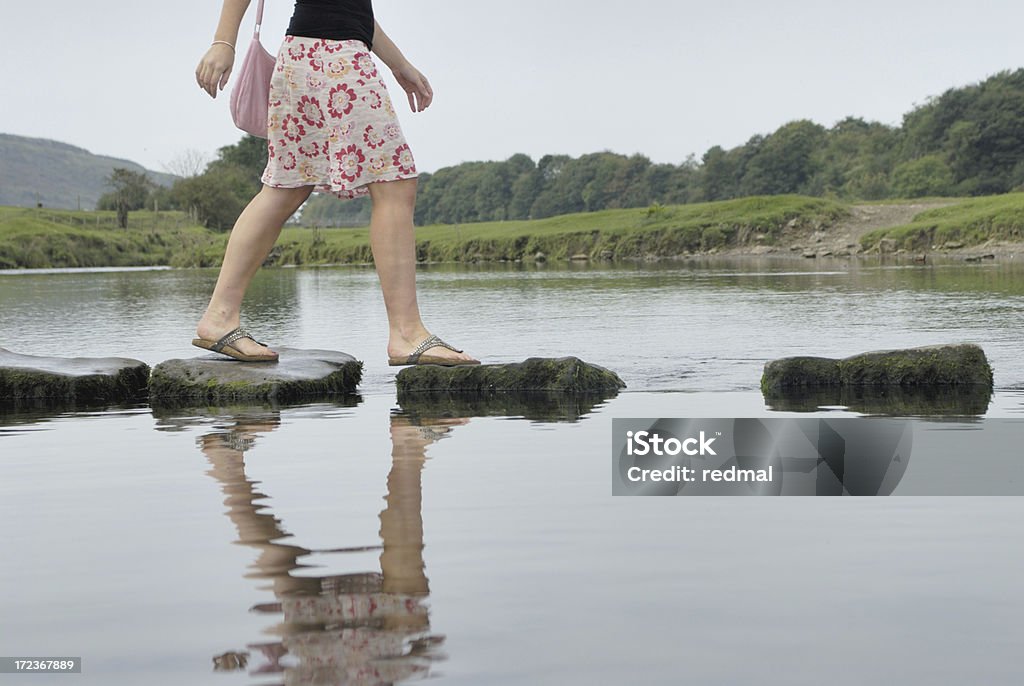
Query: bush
x,y
713,237
923,177
216,198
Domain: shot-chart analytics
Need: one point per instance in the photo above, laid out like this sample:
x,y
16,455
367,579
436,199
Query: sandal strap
x,y
230,338
431,342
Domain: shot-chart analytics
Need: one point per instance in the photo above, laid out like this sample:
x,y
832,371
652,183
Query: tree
x,y
525,189
188,163
721,172
784,163
248,154
929,175
216,198
979,130
325,210
130,192
855,160
218,195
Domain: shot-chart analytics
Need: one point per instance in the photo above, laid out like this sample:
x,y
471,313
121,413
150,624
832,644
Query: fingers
x,y
426,94
420,94
206,79
199,75
210,84
224,79
210,79
210,76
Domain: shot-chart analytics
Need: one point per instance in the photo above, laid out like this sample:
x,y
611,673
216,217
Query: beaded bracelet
x,y
223,42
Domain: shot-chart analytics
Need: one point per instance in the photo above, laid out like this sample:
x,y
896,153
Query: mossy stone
x,y
935,380
77,380
563,375
298,375
800,372
940,365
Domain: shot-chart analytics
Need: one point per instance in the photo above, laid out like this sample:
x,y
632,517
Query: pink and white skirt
x,y
331,123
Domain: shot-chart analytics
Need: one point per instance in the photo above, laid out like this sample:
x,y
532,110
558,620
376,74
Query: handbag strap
x,y
259,20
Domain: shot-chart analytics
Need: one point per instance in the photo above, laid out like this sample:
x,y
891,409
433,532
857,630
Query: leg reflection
x,y
360,628
401,522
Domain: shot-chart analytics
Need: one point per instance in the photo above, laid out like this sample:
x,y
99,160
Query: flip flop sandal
x,y
417,357
224,347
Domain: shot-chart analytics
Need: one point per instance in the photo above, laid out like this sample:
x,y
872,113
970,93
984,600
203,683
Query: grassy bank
x,y
32,238
40,239
967,223
619,234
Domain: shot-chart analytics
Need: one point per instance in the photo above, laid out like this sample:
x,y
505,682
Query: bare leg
x,y
255,233
394,253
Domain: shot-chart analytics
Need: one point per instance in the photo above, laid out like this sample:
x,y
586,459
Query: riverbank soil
x,y
844,237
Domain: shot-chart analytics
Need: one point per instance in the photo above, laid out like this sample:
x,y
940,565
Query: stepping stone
x,y
77,380
298,375
564,375
940,365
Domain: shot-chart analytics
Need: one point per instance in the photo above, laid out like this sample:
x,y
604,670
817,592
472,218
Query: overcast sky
x,y
663,78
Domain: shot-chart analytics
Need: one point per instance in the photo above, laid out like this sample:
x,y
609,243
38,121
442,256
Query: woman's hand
x,y
415,85
215,68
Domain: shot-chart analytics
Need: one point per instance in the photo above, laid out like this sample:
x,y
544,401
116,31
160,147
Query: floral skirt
x,y
331,123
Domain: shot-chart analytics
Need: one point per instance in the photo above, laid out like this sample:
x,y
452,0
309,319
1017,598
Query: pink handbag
x,y
250,96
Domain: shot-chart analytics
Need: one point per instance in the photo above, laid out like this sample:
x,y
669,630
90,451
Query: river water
x,y
360,542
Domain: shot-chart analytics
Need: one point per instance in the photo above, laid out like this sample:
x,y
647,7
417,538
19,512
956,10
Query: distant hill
x,y
57,174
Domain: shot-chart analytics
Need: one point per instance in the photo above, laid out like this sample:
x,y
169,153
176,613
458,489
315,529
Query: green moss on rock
x,y
564,375
944,379
800,372
299,375
79,380
941,365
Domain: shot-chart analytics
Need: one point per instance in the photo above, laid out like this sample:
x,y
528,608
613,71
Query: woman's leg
x,y
255,233
394,254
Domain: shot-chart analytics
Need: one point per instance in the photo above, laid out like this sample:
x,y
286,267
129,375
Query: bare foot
x,y
400,347
211,330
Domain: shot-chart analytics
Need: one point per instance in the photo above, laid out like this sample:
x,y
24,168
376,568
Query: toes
x,y
441,351
452,355
250,347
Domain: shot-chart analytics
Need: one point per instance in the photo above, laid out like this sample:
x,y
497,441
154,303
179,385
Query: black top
x,y
333,19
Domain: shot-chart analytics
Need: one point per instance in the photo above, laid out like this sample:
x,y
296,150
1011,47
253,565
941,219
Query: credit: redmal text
x,y
692,474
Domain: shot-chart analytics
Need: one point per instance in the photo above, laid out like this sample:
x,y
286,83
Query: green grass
x,y
633,233
927,200
31,238
40,239
971,222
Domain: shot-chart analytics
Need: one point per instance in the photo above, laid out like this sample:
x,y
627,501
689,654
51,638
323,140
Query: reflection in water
x,y
536,406
367,628
23,416
895,401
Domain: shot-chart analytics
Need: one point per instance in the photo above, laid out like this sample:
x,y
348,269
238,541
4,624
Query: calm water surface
x,y
365,543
